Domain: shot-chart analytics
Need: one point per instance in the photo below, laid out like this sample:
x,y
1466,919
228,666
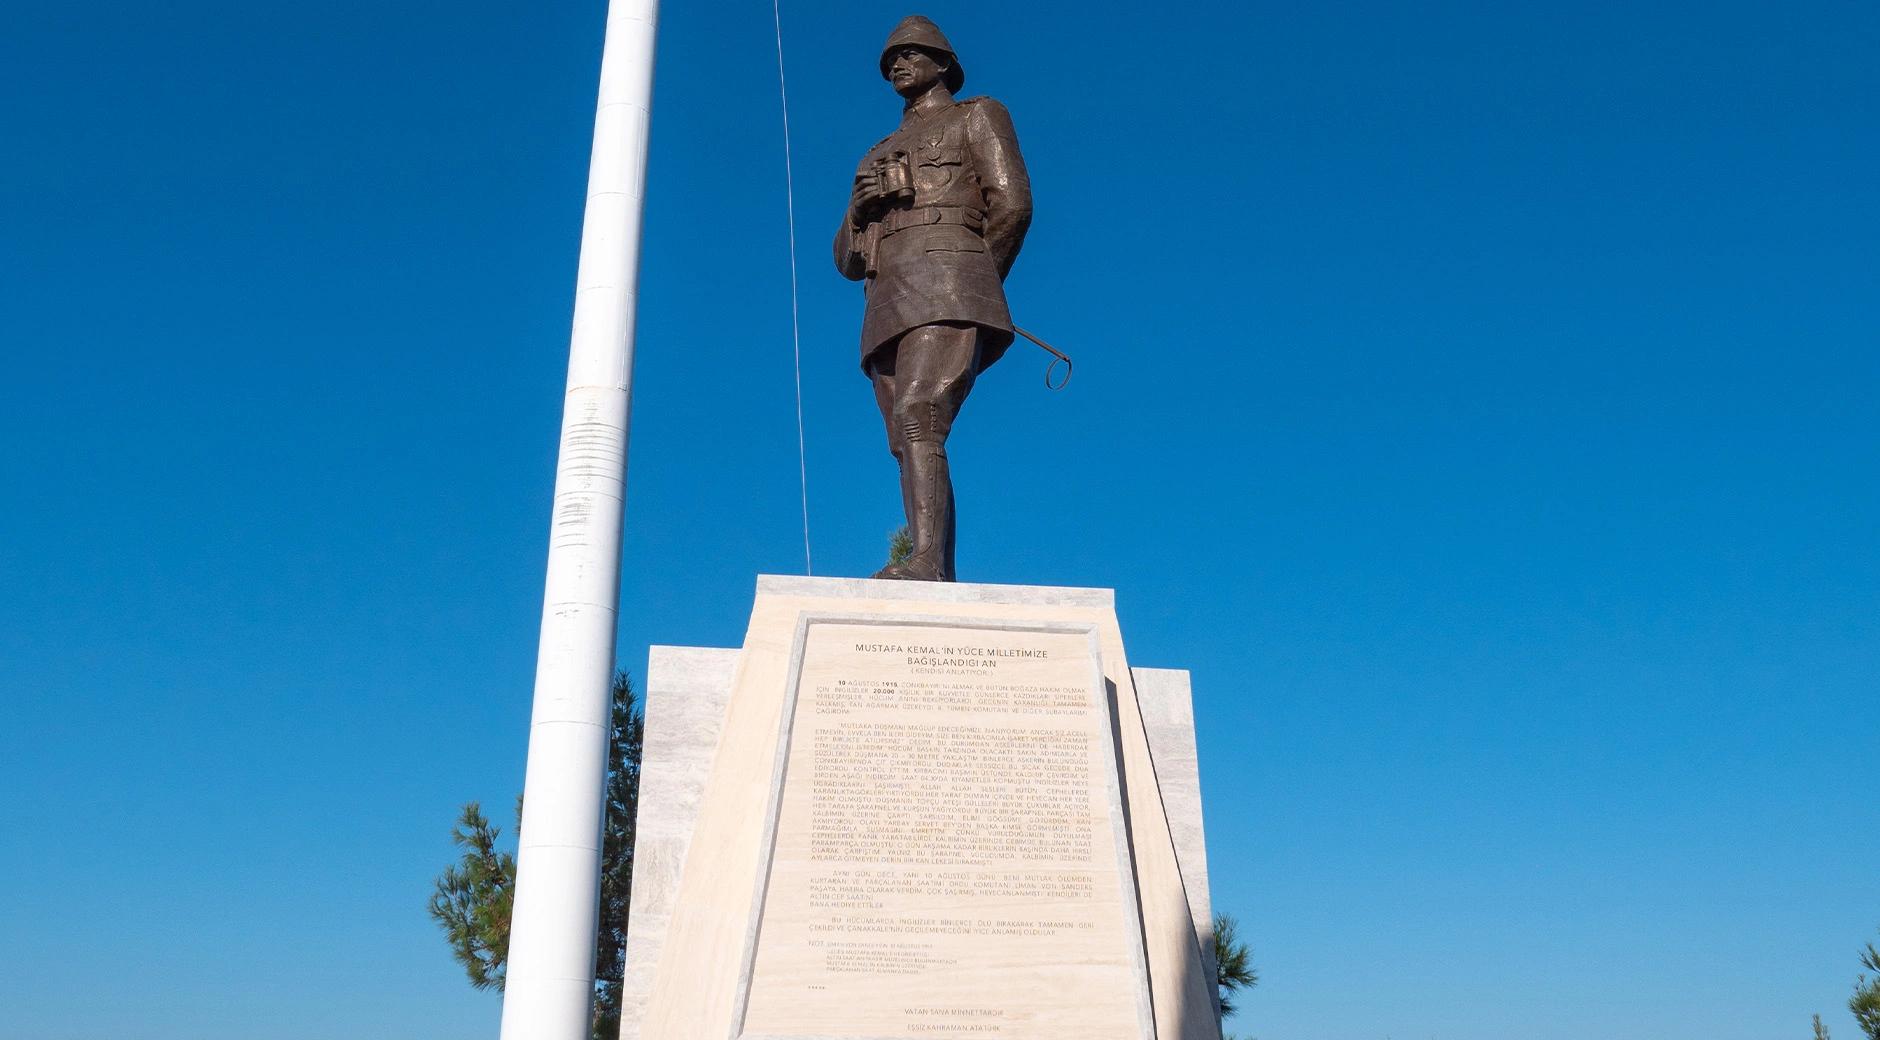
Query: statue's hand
x,y
865,198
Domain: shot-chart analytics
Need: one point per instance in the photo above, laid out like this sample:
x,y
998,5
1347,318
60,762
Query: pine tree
x,y
1821,1031
473,899
626,730
1233,962
1865,1004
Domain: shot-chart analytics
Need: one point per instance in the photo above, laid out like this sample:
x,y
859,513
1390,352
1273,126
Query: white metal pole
x,y
549,990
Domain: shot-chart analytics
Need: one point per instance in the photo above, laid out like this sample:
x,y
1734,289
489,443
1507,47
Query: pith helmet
x,y
918,31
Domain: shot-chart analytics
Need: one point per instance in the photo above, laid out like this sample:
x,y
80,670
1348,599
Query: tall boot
x,y
908,505
927,488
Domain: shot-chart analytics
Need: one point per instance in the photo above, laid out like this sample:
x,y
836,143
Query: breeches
x,y
922,379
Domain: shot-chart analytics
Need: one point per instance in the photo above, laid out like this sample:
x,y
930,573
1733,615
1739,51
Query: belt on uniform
x,y
921,216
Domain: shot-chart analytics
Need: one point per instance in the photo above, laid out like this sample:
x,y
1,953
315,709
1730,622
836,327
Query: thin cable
x,y
796,334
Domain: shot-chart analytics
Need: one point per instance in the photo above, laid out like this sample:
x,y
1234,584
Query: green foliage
x,y
1821,1031
900,545
626,730
1233,960
1865,1004
474,898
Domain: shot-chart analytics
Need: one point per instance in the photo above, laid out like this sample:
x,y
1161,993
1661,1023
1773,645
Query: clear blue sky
x,y
1479,397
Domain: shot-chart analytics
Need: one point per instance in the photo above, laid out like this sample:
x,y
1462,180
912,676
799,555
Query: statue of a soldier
x,y
937,215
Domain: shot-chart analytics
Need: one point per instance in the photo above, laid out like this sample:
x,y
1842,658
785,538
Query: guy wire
x,y
796,334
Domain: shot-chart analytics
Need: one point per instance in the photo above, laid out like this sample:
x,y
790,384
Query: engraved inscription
x,y
945,858
949,794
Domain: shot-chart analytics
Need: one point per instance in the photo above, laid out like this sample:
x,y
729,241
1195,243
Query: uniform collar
x,y
925,110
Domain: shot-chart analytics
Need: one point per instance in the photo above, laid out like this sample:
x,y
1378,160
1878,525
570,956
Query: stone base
x,y
908,809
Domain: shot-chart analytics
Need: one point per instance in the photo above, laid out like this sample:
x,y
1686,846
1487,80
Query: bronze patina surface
x,y
936,216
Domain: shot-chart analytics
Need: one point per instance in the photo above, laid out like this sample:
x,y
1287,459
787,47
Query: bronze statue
x,y
938,211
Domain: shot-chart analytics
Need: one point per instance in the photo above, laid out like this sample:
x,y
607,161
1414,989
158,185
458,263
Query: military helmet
x,y
919,31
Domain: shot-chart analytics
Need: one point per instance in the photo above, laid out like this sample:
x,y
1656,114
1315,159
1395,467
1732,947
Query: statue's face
x,y
914,72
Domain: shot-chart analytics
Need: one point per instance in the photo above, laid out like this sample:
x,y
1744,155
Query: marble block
x,y
916,810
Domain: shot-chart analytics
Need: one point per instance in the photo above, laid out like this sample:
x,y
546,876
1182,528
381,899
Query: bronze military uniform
x,y
948,207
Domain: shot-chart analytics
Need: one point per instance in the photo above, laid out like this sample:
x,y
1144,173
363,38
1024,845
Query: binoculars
x,y
894,178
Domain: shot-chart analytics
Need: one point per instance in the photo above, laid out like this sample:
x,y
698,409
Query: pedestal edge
x,y
934,591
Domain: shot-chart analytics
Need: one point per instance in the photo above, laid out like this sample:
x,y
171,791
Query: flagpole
x,y
549,987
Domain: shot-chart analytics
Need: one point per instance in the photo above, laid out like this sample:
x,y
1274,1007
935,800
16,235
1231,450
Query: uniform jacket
x,y
944,257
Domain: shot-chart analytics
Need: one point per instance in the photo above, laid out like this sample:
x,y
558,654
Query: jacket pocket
x,y
940,156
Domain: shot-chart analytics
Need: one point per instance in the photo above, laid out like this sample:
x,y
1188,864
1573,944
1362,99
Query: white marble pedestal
x,y
906,809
